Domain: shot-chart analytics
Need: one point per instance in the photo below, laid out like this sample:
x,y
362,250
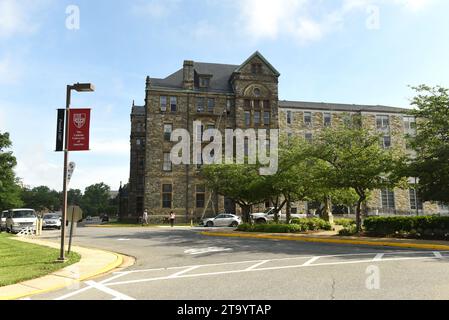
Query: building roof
x,y
138,110
321,106
220,82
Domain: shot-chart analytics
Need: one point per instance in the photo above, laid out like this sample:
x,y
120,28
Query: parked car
x,y
223,220
105,218
269,214
19,219
51,221
3,216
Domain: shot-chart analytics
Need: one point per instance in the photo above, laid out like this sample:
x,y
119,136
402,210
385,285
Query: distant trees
x,y
97,200
41,199
9,184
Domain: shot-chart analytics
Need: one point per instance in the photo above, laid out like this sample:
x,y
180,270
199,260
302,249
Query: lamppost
x,y
78,87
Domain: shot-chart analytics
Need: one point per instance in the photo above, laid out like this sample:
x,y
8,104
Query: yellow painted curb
x,y
327,240
111,266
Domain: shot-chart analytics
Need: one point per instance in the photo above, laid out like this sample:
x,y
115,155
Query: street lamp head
x,y
84,87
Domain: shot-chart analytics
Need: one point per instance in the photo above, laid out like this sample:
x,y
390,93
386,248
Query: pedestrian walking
x,y
172,219
145,218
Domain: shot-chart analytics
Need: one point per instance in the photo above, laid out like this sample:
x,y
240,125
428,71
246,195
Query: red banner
x,y
79,125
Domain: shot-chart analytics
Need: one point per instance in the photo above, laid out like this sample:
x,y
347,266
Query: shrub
x,y
350,230
298,225
345,222
429,227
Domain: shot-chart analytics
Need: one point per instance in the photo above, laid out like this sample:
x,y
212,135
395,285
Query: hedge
x,y
345,222
426,227
297,226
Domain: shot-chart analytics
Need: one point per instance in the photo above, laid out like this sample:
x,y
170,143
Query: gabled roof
x,y
261,57
321,106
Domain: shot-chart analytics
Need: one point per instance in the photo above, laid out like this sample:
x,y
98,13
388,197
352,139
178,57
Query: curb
x,y
66,282
426,246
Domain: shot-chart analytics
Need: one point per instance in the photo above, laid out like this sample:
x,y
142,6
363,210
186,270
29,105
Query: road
x,y
181,264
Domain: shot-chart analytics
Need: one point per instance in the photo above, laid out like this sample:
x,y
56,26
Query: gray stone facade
x,y
226,97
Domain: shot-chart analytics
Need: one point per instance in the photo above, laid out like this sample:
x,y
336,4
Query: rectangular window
x,y
388,201
167,162
246,147
289,117
327,119
294,210
415,201
200,196
204,82
309,137
173,104
167,196
383,122
386,143
229,106
257,104
266,118
256,118
307,118
248,119
168,129
266,104
163,102
410,125
211,105
247,104
200,105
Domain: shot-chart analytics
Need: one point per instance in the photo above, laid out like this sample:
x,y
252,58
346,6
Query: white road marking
x,y
257,265
309,262
184,271
69,295
117,295
378,257
263,269
206,250
123,239
438,255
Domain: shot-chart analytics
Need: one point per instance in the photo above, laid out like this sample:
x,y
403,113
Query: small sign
x,y
70,171
60,130
74,211
79,127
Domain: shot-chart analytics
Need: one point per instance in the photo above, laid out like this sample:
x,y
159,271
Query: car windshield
x,y
51,217
23,214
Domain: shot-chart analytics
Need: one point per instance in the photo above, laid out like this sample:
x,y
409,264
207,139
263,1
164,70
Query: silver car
x,y
3,216
223,220
51,221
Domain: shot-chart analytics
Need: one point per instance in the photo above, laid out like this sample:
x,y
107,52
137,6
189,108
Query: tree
x,y
358,162
9,187
240,183
41,199
96,199
74,197
431,142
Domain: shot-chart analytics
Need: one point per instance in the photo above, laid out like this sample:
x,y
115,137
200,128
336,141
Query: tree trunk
x,y
327,211
289,207
246,213
359,213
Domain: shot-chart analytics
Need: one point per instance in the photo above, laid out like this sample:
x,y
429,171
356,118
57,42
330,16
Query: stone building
x,y
234,97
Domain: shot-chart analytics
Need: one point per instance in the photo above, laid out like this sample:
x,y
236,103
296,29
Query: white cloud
x,y
414,5
155,9
10,71
110,147
16,17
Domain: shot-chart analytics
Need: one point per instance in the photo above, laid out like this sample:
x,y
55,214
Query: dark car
x,y
105,218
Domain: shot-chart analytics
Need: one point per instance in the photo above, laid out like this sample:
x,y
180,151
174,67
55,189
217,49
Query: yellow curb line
x,y
111,266
326,240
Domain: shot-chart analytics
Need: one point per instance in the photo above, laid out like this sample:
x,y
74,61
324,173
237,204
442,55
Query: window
x,y
247,104
256,118
163,103
257,92
289,117
386,142
248,119
256,104
266,118
210,105
173,104
266,104
388,199
229,105
256,68
138,142
294,210
200,196
168,128
246,147
167,196
204,82
410,125
415,201
200,105
327,119
308,118
309,137
167,162
383,122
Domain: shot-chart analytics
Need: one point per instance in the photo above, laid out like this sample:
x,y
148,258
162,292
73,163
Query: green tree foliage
x,y
74,197
41,199
358,162
431,143
96,200
9,187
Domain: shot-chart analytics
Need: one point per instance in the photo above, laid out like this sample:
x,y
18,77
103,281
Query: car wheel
x,y
209,224
261,221
234,224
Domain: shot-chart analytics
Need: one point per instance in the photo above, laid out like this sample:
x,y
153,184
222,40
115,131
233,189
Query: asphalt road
x,y
180,264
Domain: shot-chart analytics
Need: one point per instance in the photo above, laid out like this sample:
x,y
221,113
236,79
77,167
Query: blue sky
x,y
350,51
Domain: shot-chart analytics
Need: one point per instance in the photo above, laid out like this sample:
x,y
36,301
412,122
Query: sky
x,y
342,51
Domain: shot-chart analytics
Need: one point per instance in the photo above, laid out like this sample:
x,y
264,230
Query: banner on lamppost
x,y
79,127
70,171
60,130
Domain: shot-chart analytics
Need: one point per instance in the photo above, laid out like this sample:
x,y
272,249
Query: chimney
x,y
188,82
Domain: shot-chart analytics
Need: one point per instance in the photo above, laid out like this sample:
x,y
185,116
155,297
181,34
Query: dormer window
x,y
205,82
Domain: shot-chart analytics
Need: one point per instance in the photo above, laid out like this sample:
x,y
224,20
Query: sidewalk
x,y
92,264
329,237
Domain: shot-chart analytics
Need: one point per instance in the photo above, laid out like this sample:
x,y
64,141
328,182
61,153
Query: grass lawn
x,y
21,261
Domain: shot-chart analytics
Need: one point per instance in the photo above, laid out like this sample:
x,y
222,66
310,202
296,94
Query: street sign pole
x,y
71,229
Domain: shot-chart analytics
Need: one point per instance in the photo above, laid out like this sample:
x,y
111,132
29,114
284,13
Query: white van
x,y
19,219
3,216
